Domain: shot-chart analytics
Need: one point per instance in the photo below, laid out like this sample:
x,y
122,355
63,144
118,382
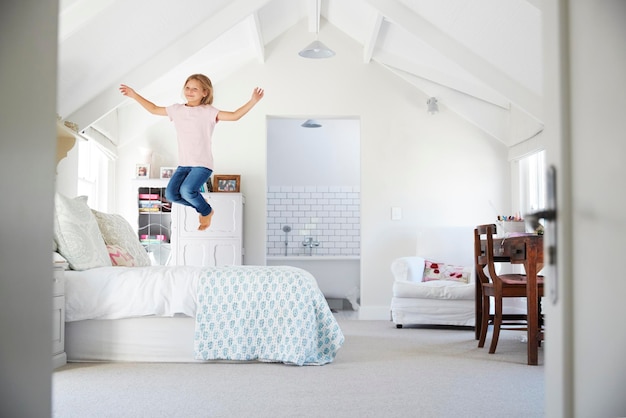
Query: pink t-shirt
x,y
194,128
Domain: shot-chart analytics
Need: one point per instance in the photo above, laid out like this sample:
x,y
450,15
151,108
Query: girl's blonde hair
x,y
206,85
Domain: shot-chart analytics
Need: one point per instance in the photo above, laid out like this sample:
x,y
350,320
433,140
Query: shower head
x,y
286,229
311,123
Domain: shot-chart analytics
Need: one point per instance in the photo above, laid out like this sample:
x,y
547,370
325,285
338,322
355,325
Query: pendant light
x,y
316,49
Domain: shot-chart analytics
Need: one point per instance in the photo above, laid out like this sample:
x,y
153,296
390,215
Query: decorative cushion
x,y
120,257
441,271
117,231
77,235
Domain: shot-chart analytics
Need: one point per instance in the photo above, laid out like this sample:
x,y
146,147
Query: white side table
x,y
59,358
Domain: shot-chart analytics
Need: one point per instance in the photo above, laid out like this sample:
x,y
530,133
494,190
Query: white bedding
x,y
126,292
275,314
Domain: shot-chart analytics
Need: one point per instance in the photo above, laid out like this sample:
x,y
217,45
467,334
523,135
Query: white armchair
x,y
437,302
419,301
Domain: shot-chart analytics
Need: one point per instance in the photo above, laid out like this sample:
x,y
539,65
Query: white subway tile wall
x,y
331,215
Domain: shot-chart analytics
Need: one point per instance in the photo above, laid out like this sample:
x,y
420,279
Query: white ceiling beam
x,y
449,47
370,43
78,14
193,41
102,140
482,114
477,90
313,9
257,37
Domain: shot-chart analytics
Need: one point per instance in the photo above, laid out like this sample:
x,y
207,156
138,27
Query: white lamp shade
x,y
316,50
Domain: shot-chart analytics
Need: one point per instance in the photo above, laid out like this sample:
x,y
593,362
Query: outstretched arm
x,y
146,104
257,95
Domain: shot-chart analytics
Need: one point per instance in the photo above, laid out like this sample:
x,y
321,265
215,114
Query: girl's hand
x,y
127,91
257,94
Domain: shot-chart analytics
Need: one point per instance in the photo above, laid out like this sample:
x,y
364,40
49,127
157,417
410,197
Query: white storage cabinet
x,y
219,245
59,358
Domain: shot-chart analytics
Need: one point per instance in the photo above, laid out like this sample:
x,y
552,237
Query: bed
x,y
121,308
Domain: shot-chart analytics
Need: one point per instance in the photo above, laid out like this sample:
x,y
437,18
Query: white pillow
x,y
77,234
408,268
117,231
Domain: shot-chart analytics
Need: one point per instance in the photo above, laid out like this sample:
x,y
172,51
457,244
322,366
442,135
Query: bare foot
x,y
205,221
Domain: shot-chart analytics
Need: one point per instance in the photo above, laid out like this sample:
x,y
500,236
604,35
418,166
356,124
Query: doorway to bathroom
x,y
313,180
314,199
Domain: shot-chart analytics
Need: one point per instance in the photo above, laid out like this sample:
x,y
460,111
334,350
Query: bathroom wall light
x,y
433,108
311,123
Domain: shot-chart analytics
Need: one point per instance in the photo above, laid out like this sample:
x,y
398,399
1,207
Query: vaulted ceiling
x,y
482,58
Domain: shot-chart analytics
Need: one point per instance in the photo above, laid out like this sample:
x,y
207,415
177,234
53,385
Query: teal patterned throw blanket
x,y
271,314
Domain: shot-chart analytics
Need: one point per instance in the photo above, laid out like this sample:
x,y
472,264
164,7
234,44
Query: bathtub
x,y
339,277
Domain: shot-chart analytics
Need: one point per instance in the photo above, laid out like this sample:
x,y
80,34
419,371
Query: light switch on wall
x,y
396,213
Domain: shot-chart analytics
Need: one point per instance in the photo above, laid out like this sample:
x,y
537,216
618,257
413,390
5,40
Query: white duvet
x,y
123,292
273,314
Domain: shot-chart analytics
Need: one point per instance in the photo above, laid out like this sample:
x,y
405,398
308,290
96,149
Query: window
x,y
93,175
532,182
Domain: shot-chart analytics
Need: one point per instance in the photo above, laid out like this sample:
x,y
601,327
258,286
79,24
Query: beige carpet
x,y
381,371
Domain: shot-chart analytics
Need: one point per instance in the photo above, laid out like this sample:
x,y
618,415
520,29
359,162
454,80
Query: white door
x,y
585,117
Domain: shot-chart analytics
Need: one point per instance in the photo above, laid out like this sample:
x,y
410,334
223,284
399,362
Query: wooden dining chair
x,y
498,286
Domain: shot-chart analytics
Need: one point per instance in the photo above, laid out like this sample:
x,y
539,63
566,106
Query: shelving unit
x,y
171,235
154,219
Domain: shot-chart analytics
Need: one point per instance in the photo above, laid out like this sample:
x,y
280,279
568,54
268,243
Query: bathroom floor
x,y
342,309
345,314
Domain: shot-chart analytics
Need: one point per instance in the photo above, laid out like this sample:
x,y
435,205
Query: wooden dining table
x,y
526,249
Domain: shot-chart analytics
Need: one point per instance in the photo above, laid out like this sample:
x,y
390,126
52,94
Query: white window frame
x,y
532,182
93,175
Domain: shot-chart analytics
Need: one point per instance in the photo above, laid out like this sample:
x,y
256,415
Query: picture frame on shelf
x,y
142,171
167,172
226,183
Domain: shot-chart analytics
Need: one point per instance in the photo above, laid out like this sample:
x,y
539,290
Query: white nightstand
x,y
59,357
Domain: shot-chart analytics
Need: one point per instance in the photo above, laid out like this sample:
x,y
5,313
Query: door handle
x,y
549,215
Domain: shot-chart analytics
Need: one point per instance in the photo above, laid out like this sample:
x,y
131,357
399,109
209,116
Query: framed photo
x,y
226,183
142,171
167,172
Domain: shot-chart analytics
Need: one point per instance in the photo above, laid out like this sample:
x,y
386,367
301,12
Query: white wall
x,y
439,169
328,155
67,173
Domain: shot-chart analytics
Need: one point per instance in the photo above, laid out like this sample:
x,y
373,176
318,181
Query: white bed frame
x,y
144,339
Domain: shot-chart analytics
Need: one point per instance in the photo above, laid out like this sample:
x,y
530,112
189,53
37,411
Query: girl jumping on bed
x,y
194,123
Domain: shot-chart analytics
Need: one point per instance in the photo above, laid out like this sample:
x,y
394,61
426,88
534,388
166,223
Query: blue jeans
x,y
184,188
